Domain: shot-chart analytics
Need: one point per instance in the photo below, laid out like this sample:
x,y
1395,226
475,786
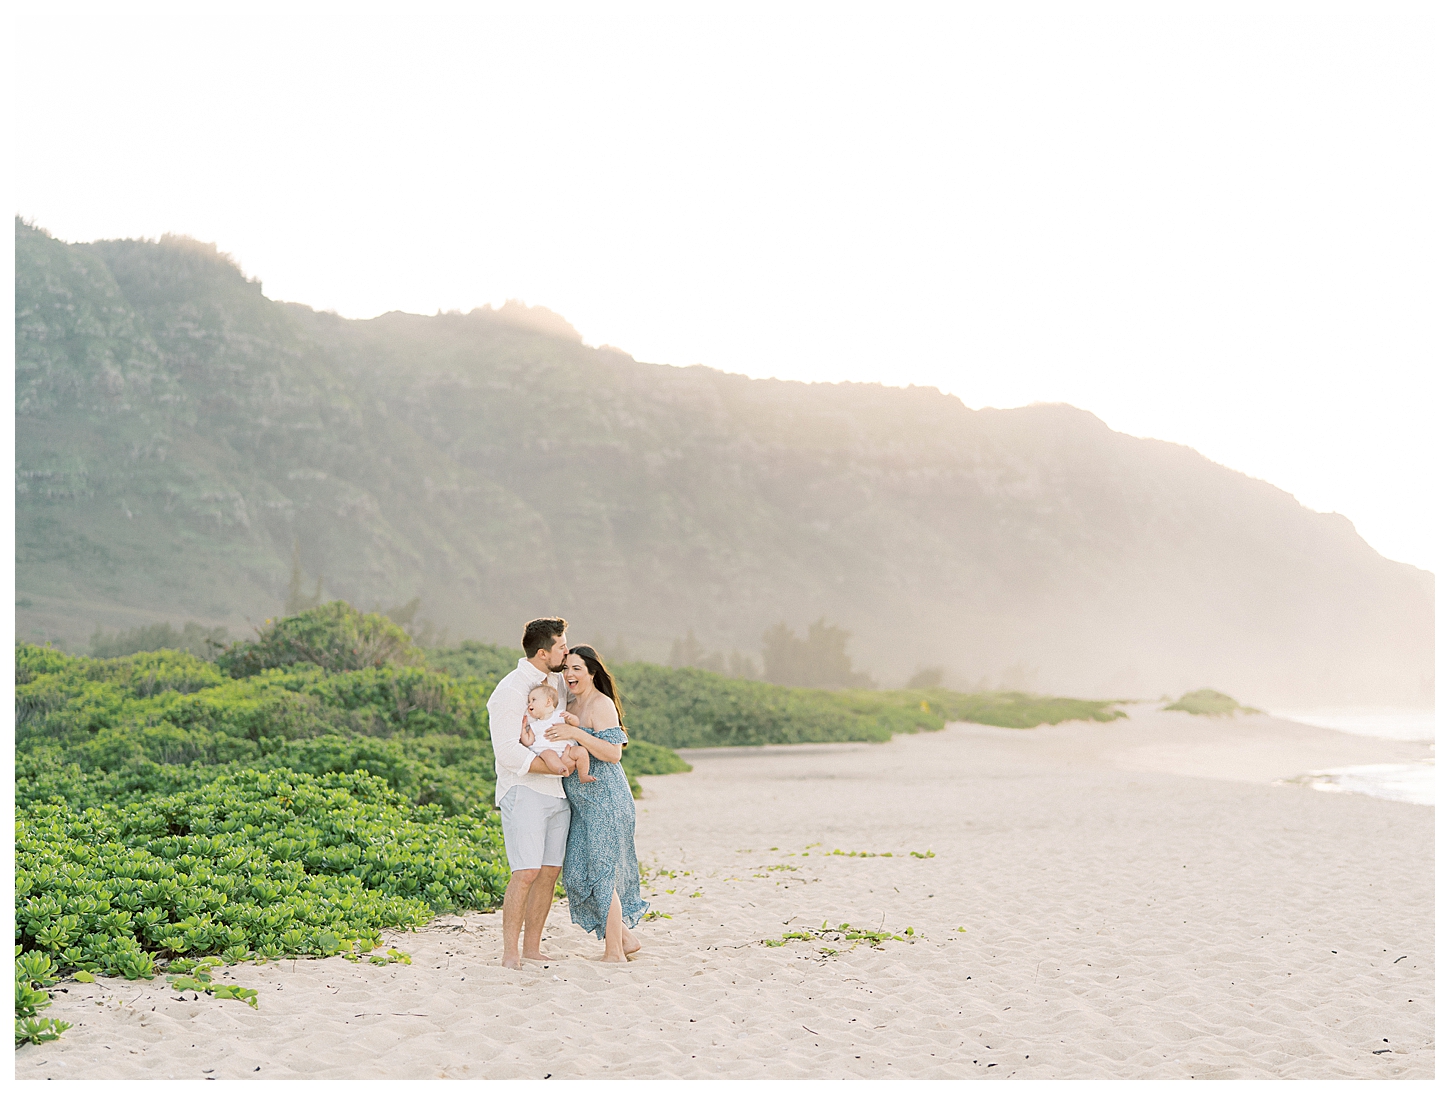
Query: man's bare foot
x,y
537,956
511,962
587,779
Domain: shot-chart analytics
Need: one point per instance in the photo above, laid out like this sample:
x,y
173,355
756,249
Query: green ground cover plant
x,y
253,864
34,973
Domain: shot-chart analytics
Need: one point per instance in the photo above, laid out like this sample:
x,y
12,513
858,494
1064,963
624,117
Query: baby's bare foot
x,y
587,779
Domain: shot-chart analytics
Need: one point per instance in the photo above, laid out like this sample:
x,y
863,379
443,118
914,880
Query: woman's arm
x,y
599,748
603,710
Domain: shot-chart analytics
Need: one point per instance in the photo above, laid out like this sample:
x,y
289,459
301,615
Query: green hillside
x,y
178,435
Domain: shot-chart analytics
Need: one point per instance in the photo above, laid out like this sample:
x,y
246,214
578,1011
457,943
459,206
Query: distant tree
x,y
930,677
688,653
614,652
404,614
297,601
203,642
743,666
817,661
420,629
714,663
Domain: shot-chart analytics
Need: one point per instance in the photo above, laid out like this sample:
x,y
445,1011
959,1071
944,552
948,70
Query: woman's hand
x,y
565,731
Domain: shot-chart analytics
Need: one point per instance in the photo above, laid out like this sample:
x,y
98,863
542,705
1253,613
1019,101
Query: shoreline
x,y
1136,899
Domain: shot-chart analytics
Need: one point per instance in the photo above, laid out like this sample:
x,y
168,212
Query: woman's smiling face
x,y
576,674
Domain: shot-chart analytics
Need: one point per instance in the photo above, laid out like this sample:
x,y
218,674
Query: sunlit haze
x,y
1221,225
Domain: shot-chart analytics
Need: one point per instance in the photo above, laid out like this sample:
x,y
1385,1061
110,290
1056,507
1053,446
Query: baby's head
x,y
543,698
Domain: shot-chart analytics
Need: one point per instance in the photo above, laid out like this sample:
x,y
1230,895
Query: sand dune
x,y
1127,900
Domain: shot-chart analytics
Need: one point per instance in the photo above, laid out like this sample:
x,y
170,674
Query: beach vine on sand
x,y
840,934
195,976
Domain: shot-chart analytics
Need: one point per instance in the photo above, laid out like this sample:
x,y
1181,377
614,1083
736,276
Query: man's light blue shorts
x,y
535,829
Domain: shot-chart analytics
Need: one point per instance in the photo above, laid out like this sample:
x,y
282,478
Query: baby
x,y
561,757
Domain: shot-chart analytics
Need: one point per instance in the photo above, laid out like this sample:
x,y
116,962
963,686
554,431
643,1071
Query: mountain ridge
x,y
178,433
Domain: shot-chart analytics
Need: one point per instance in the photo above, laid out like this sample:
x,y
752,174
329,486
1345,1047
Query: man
x,y
530,797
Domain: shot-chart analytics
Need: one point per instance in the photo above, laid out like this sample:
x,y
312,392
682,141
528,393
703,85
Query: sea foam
x,y
1400,782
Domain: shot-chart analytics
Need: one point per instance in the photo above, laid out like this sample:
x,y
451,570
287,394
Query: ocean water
x,y
1400,782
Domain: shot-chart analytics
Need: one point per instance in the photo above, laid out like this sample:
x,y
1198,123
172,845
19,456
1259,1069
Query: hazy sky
x,y
1217,224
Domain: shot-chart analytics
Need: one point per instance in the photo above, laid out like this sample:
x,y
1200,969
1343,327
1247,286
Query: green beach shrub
x,y
335,636
645,758
483,662
1020,710
1208,702
91,732
691,708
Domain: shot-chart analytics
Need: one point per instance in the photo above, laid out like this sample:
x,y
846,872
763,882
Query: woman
x,y
601,870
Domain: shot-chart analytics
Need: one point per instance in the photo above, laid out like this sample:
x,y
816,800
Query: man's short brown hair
x,y
540,634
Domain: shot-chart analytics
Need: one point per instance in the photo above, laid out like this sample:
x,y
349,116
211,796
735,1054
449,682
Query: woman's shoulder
x,y
603,714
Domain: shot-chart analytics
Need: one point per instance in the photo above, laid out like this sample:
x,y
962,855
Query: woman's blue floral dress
x,y
600,860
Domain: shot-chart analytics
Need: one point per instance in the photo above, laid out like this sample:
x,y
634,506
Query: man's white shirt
x,y
511,758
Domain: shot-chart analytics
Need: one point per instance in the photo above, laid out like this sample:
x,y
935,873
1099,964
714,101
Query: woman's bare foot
x,y
537,956
607,957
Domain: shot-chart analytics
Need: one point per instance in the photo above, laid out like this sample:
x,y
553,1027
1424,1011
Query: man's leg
x,y
526,816
555,836
536,905
514,901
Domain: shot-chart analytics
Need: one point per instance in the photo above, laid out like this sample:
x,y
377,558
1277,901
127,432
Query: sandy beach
x,y
1140,899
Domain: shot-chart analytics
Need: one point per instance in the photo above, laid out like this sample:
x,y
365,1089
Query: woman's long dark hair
x,y
603,678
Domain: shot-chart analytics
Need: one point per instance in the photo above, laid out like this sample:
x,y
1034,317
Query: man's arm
x,y
506,709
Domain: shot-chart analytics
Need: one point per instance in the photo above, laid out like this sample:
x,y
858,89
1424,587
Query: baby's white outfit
x,y
538,726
